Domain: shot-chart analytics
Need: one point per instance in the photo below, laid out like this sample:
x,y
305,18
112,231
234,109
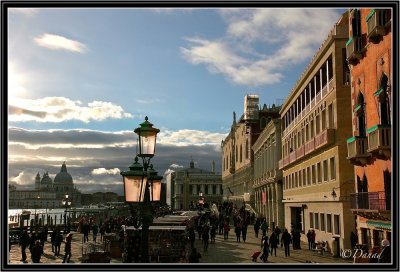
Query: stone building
x,y
47,194
189,182
267,184
315,122
237,153
369,53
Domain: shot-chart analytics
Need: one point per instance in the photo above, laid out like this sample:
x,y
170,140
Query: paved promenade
x,y
228,251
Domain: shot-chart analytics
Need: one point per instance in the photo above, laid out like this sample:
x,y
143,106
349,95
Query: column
x,y
273,203
320,80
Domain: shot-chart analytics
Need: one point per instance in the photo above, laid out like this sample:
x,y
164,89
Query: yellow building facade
x,y
315,122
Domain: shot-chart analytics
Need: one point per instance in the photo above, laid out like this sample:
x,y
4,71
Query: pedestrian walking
x,y
24,243
285,241
264,227
237,232
213,232
313,235
67,249
58,242
226,230
36,252
309,234
205,235
244,232
95,230
265,249
86,231
278,232
257,227
273,241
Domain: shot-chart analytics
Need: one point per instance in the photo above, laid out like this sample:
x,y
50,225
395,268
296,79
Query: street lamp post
x,y
66,203
142,185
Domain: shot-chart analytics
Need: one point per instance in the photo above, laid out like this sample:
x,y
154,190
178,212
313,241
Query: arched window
x,y
360,111
241,153
383,100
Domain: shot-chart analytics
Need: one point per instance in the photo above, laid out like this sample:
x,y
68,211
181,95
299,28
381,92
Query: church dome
x,y
63,177
46,179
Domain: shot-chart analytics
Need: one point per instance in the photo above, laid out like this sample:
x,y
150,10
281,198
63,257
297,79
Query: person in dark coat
x,y
58,242
24,242
273,242
264,227
192,236
309,234
244,232
277,232
36,252
238,231
257,227
205,236
85,231
32,241
353,240
265,249
67,249
286,240
213,232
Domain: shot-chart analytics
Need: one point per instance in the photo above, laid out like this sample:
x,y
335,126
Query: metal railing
x,y
370,201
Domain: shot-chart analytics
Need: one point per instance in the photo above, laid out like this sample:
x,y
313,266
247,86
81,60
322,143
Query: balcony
x,y
357,150
300,152
292,156
309,146
324,138
372,205
353,50
379,140
376,24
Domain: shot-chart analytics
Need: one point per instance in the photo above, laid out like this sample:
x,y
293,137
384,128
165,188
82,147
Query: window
x,y
304,177
308,176
333,168
312,128
319,172
247,149
307,133
331,116
311,220
336,223
360,111
329,223
322,216
323,117
241,155
314,180
317,124
316,220
384,104
325,170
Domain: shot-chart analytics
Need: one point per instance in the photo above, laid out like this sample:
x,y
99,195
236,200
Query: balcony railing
x,y
353,49
325,137
370,201
379,140
376,24
357,150
300,152
292,156
309,146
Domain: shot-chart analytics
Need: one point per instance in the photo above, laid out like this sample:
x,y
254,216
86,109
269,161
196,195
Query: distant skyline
x,y
81,80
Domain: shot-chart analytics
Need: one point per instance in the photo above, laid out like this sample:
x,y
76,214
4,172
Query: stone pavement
x,y
230,251
77,249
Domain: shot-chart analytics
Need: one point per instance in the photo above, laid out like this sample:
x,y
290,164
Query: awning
x,y
380,225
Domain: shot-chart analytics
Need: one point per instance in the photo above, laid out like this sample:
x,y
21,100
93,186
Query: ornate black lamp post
x,y
142,185
66,203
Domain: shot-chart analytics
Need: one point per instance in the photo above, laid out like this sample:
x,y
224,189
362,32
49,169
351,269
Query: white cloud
x,y
186,137
103,171
59,109
56,42
290,36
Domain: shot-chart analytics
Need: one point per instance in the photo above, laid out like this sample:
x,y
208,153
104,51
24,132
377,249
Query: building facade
x,y
314,126
267,184
189,182
369,53
237,153
47,194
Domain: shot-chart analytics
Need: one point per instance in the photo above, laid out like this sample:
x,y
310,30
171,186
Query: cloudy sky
x,y
81,80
